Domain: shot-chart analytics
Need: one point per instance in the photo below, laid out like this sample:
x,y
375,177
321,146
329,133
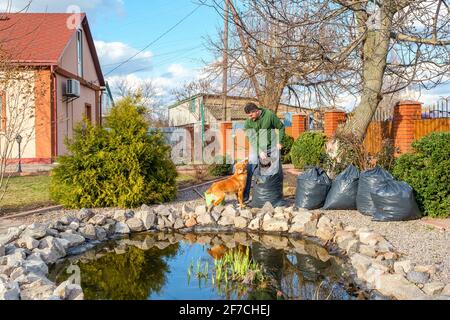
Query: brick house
x,y
68,80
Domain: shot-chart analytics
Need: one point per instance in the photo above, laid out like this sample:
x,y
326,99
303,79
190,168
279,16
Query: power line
x,y
160,37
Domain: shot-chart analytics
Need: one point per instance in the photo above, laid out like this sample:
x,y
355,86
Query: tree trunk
x,y
375,52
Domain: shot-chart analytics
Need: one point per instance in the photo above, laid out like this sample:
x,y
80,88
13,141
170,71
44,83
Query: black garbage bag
x,y
268,185
395,201
312,189
344,190
369,182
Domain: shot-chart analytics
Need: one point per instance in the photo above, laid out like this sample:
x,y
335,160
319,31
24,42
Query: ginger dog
x,y
235,184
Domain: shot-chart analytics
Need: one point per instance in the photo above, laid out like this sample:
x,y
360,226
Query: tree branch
x,y
406,38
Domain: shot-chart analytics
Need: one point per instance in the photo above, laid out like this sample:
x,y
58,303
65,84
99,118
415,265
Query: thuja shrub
x,y
122,165
308,150
427,171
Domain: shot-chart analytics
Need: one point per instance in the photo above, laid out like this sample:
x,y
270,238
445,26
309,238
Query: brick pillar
x,y
225,143
298,125
405,113
332,119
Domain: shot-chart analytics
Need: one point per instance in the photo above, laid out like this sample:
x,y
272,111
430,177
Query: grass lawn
x,y
26,193
29,193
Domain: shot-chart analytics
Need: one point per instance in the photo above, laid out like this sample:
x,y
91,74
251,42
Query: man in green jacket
x,y
259,128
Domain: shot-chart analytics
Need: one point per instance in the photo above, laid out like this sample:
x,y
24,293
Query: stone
x,y
383,246
201,210
395,285
268,208
433,288
361,264
36,231
325,233
135,225
373,273
74,226
403,267
275,225
38,290
121,215
12,235
179,224
368,251
121,228
190,222
352,247
418,277
446,290
69,291
9,291
98,220
226,221
342,238
16,258
148,219
85,215
229,212
110,228
187,211
36,266
323,254
218,209
247,214
50,250
204,219
28,242
240,223
370,238
101,233
74,239
215,216
304,225
431,269
255,224
163,211
88,232
2,251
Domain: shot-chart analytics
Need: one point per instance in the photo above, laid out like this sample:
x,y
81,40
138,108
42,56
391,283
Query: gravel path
x,y
421,244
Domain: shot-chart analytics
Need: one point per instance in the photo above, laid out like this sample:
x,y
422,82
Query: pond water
x,y
163,267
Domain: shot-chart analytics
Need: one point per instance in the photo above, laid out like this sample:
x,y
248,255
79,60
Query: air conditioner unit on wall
x,y
72,88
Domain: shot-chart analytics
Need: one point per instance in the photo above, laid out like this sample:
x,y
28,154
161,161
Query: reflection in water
x,y
154,266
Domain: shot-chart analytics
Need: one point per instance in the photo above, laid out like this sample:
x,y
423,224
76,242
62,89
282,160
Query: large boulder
x,y
12,235
34,264
229,212
204,219
226,221
255,224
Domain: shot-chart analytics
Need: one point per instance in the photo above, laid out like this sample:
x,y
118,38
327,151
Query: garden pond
x,y
158,266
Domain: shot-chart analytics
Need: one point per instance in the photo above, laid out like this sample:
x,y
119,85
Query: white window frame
x,y
80,66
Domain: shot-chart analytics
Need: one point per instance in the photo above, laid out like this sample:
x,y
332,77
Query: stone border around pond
x,y
27,251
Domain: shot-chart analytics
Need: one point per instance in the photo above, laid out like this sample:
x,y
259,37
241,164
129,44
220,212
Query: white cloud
x,y
112,54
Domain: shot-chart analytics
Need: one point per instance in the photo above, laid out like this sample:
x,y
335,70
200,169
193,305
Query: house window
x,y
88,112
80,52
2,111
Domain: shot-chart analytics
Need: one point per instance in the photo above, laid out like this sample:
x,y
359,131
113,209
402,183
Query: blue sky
x,y
121,28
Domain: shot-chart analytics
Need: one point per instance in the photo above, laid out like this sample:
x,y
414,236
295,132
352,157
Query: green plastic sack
x,y
210,198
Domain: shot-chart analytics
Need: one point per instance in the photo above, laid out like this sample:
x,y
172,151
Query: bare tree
x,y
273,53
404,41
148,97
193,88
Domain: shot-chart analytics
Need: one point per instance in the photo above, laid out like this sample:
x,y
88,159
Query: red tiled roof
x,y
35,37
